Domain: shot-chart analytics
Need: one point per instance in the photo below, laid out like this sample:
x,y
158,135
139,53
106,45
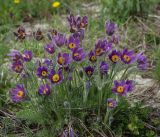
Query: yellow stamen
x,y
72,45
89,72
120,89
20,93
56,4
98,51
61,60
55,78
126,58
115,58
45,90
18,68
110,104
44,73
93,58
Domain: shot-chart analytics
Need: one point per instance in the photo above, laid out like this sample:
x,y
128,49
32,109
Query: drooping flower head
x,y
78,54
27,55
128,57
64,59
115,39
73,42
44,89
15,56
42,72
92,56
120,87
142,61
21,33
18,93
111,103
50,48
56,77
17,66
114,56
110,28
104,67
89,70
38,35
59,39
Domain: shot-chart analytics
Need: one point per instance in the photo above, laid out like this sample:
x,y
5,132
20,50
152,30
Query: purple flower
x,y
15,55
78,54
89,71
110,28
115,39
92,56
56,77
52,33
17,66
59,39
64,59
27,55
142,61
114,56
42,72
47,62
18,93
21,33
120,87
50,48
104,67
128,57
84,22
111,103
99,48
73,42
130,84
44,89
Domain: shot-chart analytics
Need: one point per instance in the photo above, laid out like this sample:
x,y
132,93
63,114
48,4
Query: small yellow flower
x,y
16,1
56,4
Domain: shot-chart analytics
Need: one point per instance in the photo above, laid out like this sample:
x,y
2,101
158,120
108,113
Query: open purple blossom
x,y
59,39
110,28
15,55
47,62
27,55
100,48
64,59
92,56
89,70
42,72
142,61
56,77
128,57
78,54
104,67
111,103
17,66
44,89
50,48
18,93
73,42
120,88
114,56
130,84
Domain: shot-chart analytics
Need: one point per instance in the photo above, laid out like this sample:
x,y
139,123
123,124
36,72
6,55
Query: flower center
x,y
20,94
126,58
44,73
98,51
55,78
89,72
120,89
93,58
115,58
72,45
18,67
61,60
110,104
45,90
77,55
82,25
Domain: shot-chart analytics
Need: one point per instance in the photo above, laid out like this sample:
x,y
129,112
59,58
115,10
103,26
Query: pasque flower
x,y
130,84
142,61
44,89
110,28
114,56
128,57
111,103
74,42
78,54
120,87
64,59
18,93
42,72
15,56
50,48
27,55
59,39
92,56
17,66
52,33
56,77
21,33
89,70
104,67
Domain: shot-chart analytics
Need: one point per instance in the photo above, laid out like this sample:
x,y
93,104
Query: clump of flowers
x,y
72,78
